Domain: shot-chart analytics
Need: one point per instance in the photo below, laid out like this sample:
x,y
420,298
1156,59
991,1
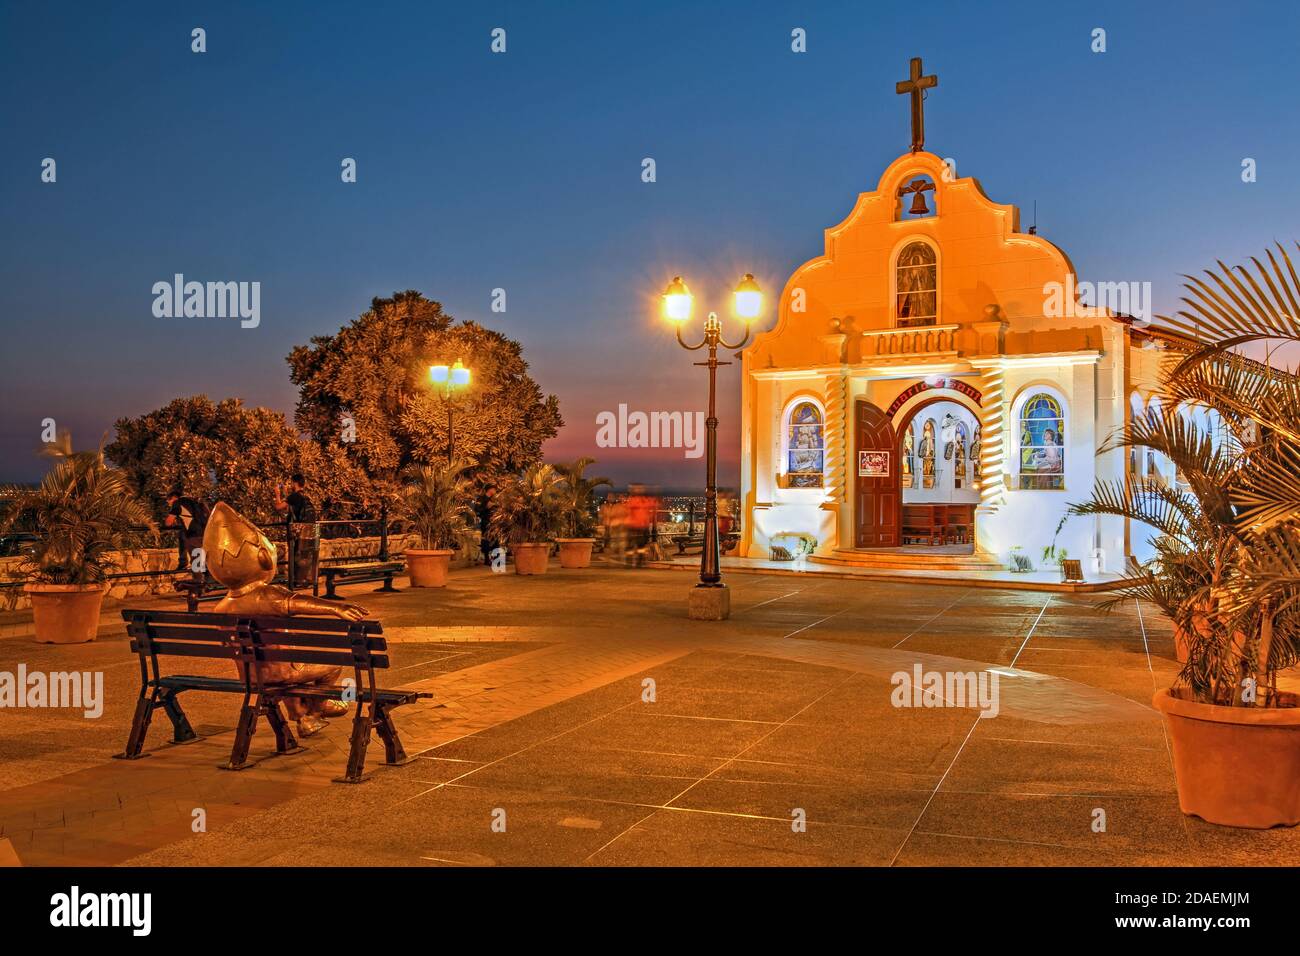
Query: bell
x,y
919,208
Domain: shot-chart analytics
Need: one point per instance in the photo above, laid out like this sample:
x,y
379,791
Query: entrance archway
x,y
877,489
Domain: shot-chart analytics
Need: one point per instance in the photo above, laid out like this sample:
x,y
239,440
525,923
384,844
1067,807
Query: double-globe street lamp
x,y
710,600
449,380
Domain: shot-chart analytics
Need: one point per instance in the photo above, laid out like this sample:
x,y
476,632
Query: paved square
x,y
770,738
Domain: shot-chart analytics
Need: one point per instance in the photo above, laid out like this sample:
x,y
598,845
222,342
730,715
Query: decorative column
x,y
994,425
836,471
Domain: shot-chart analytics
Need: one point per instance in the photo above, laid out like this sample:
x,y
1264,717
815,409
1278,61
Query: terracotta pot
x,y
428,569
1236,766
65,613
575,552
532,557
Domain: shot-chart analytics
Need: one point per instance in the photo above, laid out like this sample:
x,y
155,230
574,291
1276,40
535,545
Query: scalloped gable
x,y
983,259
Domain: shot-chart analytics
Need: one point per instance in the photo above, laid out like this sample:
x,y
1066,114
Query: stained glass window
x,y
805,449
918,284
1042,449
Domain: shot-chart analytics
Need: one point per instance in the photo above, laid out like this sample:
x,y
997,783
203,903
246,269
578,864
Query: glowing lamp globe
x,y
459,374
677,301
438,374
749,298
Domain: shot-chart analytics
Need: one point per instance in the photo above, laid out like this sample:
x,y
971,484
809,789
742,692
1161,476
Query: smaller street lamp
x,y
449,380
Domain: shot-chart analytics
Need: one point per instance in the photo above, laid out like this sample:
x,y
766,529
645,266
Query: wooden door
x,y
878,485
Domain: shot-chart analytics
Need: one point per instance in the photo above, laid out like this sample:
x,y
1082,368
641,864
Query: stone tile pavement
x,y
768,739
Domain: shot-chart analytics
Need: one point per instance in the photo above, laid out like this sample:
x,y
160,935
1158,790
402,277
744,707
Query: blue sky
x,y
522,171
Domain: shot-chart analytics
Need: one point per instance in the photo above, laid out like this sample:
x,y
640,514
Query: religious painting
x,y
873,464
918,285
805,447
976,448
959,456
1042,452
908,453
927,451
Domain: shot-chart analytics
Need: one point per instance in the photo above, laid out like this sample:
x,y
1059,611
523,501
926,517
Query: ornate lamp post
x,y
710,600
450,380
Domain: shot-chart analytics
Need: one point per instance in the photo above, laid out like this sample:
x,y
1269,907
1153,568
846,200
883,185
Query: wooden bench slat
x,y
266,622
264,636
226,651
292,655
334,692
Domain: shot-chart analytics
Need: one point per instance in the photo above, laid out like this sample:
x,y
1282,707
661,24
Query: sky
x,y
522,171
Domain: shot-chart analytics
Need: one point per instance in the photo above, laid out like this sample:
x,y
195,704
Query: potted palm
x,y
577,495
87,519
526,514
435,499
1227,564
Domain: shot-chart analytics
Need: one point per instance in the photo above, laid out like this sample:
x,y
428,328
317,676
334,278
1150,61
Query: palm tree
x,y
526,507
1227,564
436,499
576,494
86,516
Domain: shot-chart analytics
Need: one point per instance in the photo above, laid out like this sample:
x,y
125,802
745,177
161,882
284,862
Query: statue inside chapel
x,y
927,451
243,559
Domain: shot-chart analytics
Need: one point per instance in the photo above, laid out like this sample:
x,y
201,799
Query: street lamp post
x,y
710,600
449,380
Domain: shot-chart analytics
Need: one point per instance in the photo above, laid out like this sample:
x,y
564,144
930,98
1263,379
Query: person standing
x,y
189,516
302,513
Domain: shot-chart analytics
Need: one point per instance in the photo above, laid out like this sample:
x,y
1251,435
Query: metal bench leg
x,y
285,741
394,752
139,727
388,584
243,737
361,725
182,732
329,587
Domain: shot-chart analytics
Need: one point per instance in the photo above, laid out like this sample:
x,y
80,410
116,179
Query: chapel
x,y
923,398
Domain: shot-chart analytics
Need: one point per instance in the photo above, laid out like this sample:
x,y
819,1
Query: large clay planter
x,y
65,613
428,569
1236,766
575,552
531,558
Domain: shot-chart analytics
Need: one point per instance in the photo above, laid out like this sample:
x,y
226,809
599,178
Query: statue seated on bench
x,y
240,557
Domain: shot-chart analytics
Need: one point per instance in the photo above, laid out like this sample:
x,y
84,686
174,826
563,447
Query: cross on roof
x,y
916,85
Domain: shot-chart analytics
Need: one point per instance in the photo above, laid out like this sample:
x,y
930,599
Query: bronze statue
x,y
243,559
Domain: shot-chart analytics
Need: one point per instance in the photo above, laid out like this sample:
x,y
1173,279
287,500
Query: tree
x,y
373,375
227,452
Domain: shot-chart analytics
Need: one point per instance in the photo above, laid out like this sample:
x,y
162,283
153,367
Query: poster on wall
x,y
873,464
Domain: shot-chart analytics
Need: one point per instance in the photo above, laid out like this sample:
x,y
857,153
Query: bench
x,y
246,640
924,523
336,574
196,591
726,541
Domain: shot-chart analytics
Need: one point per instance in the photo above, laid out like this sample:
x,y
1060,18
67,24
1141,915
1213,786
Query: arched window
x,y
916,301
803,442
1042,443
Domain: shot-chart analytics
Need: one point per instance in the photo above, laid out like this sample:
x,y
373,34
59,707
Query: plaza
x,y
594,724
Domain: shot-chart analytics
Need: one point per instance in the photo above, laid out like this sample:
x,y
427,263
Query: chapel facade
x,y
922,365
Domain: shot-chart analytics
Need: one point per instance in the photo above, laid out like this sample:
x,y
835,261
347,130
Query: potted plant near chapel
x,y
577,494
435,499
526,513
1227,565
87,519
